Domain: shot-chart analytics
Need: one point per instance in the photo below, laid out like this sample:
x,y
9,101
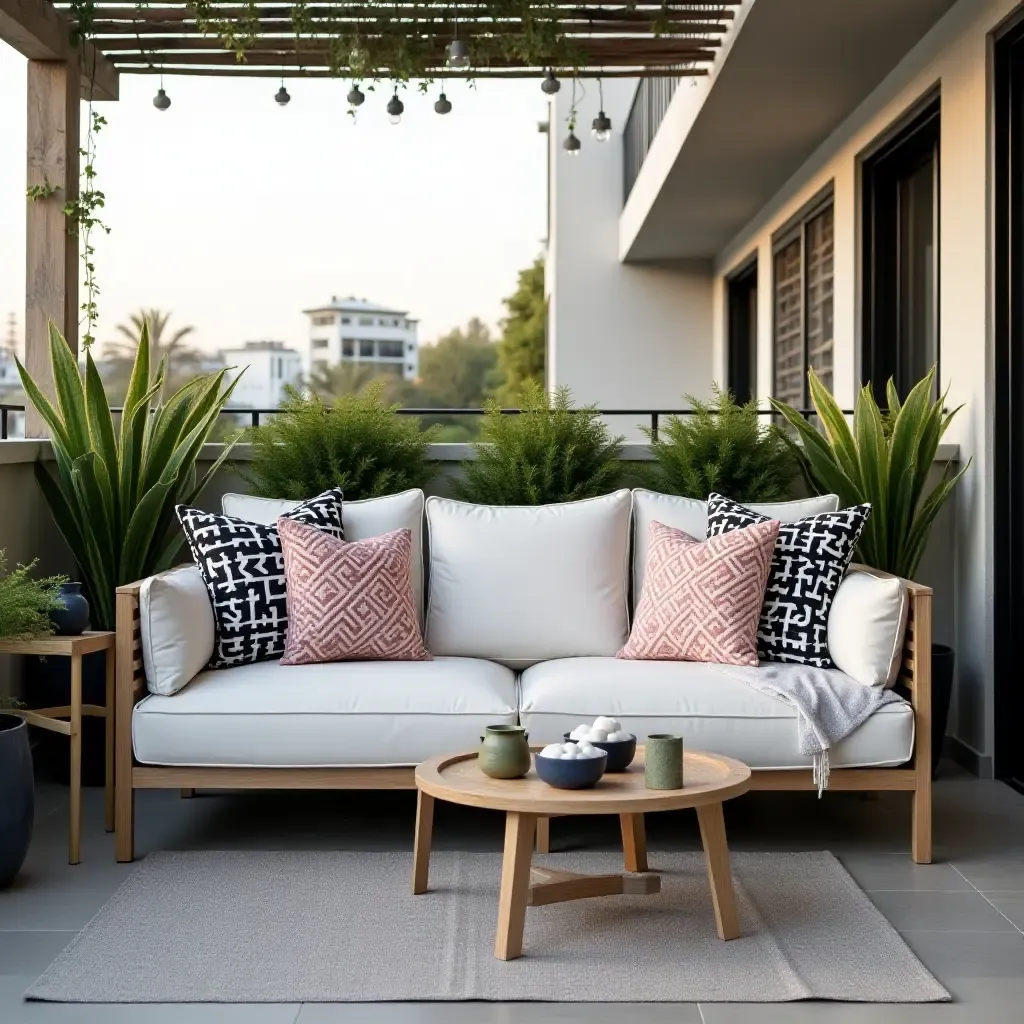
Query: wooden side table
x,y
74,647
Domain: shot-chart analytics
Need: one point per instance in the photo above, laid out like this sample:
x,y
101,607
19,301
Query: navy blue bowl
x,y
620,752
579,773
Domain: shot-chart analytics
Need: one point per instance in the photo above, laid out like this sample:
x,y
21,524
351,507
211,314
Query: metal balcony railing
x,y
255,416
652,98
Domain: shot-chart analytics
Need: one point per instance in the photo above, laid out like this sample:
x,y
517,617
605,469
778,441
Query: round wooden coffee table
x,y
709,779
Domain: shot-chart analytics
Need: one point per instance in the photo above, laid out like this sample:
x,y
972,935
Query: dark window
x,y
366,349
319,343
348,347
390,349
742,333
901,276
803,275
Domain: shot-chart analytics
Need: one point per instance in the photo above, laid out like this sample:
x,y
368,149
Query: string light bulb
x,y
458,55
443,104
601,127
572,144
282,97
355,96
550,85
395,109
161,100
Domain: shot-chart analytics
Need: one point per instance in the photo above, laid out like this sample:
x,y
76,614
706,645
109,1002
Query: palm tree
x,y
346,378
182,360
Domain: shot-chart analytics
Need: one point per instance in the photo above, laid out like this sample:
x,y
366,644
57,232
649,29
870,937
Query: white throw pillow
x,y
866,625
370,517
691,516
520,585
176,621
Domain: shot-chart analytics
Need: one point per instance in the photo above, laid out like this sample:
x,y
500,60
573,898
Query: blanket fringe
x,y
820,770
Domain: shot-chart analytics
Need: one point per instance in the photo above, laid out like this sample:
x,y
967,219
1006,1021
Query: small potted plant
x,y
25,607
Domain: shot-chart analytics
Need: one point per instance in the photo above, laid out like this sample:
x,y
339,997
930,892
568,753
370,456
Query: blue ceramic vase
x,y
73,618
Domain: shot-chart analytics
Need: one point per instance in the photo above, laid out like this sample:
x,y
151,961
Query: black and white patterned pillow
x,y
243,566
810,560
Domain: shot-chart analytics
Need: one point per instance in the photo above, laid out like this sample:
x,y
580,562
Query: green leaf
x,y
101,424
70,393
43,407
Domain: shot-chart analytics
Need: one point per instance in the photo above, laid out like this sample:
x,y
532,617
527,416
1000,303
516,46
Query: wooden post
x,y
51,268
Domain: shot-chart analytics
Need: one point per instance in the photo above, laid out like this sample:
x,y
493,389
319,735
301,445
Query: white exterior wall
x,y
267,371
955,57
621,336
380,328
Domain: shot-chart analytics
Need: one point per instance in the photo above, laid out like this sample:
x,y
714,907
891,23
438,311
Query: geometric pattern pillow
x,y
701,600
810,560
243,568
349,601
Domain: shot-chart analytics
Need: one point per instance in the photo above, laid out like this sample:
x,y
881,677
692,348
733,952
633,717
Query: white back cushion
x,y
176,621
371,517
866,624
691,516
520,585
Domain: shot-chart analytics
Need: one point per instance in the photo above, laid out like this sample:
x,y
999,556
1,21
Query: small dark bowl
x,y
620,753
581,773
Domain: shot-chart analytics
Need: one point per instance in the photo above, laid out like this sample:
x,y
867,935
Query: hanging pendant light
x,y
161,100
355,96
458,55
443,105
601,127
571,144
550,85
281,97
395,109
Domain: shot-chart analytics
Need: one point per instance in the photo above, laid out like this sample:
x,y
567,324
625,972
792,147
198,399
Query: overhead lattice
x,y
506,38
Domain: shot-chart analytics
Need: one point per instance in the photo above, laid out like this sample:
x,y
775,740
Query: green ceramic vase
x,y
663,758
504,752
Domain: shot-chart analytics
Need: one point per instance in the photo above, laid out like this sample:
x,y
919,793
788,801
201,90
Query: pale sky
x,y
236,214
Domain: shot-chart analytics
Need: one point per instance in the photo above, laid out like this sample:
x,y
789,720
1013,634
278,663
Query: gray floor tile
x,y
1010,904
498,1013
882,871
997,874
952,956
940,911
28,952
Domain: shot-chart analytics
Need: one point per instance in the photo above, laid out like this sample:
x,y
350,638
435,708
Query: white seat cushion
x,y
329,715
710,710
524,584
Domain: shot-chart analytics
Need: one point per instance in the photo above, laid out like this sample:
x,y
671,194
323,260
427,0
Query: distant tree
x,y
182,360
521,349
343,379
457,372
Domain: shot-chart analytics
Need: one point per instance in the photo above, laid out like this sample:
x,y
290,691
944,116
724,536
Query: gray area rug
x,y
344,927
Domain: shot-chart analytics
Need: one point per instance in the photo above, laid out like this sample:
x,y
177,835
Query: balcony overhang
x,y
794,71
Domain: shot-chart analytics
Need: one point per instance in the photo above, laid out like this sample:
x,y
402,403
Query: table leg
x,y
543,835
75,803
421,848
634,842
716,856
108,735
515,884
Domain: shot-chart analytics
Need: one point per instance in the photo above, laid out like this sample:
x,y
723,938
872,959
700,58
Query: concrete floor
x,y
963,915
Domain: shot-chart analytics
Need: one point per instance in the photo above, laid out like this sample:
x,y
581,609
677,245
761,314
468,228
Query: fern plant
x,y
723,446
551,452
26,602
357,443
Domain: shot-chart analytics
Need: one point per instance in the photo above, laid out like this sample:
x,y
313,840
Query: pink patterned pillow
x,y
349,601
702,600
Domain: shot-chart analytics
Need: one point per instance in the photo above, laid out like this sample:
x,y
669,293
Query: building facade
x,y
842,192
354,331
269,368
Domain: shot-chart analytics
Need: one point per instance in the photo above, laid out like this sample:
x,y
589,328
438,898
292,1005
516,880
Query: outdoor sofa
x,y
524,610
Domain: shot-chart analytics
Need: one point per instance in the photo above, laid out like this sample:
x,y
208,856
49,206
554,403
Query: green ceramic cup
x,y
664,761
504,752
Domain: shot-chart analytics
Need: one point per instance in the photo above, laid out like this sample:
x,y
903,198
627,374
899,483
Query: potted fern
x,y
550,452
725,447
25,605
885,459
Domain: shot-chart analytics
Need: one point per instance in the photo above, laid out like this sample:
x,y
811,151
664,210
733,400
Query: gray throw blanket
x,y
829,704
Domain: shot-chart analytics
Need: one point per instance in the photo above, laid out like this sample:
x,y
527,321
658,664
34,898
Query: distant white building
x,y
357,331
269,366
8,369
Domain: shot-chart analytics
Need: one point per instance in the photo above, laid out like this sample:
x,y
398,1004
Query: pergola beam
x,y
38,31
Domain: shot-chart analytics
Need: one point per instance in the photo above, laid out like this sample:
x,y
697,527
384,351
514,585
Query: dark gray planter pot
x,y
17,796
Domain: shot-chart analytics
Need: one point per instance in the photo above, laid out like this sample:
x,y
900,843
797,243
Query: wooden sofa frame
x,y
129,775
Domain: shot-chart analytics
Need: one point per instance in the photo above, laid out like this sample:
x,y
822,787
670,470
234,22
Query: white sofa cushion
x,y
524,584
330,715
371,517
691,516
866,624
710,710
176,622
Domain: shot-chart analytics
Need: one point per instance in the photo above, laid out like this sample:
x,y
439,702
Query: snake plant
x,y
884,459
115,486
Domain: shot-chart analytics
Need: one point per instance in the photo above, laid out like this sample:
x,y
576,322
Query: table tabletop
x,y
83,643
707,778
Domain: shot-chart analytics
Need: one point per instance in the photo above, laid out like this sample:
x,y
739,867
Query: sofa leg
x,y
124,820
543,835
187,794
921,827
